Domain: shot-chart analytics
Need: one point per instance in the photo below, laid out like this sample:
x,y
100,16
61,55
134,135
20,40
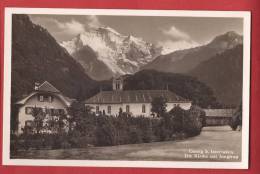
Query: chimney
x,y
36,86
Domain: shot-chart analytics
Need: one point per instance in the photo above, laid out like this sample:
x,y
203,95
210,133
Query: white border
x,y
103,163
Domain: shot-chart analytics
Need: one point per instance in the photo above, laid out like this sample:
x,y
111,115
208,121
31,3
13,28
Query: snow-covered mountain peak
x,y
121,54
108,29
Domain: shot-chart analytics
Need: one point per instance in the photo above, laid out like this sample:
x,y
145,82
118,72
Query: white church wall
x,y
135,108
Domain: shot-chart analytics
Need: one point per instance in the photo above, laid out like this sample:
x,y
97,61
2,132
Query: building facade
x,y
219,117
45,97
134,102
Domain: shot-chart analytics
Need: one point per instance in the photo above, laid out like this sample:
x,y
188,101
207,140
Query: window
x,y
120,111
41,98
97,109
61,111
143,108
127,108
44,109
56,112
52,112
29,123
109,109
50,99
28,110
48,111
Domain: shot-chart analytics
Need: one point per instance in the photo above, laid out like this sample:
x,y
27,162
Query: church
x,y
133,102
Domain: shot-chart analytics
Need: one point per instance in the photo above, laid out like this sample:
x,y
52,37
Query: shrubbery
x,y
86,129
236,119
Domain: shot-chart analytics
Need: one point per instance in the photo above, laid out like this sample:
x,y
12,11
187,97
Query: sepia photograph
x,y
126,88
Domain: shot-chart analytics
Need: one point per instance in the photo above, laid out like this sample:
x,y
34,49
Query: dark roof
x,y
134,96
219,112
68,101
47,87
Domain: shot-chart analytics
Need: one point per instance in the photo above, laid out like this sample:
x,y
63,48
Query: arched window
x,y
97,109
117,86
127,108
50,99
143,108
41,98
109,109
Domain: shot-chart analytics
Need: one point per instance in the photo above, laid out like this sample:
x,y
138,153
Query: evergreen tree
x,y
159,106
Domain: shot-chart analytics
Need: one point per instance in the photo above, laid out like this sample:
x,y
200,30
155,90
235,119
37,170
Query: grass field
x,y
218,140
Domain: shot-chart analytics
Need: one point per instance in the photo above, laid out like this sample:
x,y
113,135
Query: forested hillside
x,y
223,73
36,57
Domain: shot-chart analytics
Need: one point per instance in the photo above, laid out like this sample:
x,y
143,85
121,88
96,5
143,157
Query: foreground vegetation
x,y
154,151
80,128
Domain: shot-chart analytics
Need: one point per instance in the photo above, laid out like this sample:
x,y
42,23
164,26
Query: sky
x,y
170,32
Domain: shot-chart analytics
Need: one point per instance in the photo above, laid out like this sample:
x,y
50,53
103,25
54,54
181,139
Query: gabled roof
x,y
47,87
134,96
219,112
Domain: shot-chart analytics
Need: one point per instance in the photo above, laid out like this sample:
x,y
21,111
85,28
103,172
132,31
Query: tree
x,y
75,113
236,119
120,111
14,118
39,117
82,125
105,131
147,132
166,128
178,114
135,135
159,106
193,121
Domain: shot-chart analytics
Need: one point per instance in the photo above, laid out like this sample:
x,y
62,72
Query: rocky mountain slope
x,y
105,49
183,61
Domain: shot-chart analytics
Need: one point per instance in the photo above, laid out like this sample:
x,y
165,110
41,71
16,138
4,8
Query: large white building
x,y
44,96
134,102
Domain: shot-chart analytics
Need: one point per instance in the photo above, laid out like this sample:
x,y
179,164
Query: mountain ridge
x,y
120,54
183,61
223,73
37,57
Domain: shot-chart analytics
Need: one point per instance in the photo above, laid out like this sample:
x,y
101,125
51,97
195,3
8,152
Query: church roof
x,y
47,87
219,112
133,96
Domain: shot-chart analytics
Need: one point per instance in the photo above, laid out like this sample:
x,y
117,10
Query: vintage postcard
x,y
126,88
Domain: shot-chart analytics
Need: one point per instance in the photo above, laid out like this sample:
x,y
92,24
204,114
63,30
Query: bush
x,y
105,131
178,115
189,121
135,135
236,119
193,121
86,129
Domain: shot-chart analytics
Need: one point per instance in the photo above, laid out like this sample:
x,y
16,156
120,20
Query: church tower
x,y
118,84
